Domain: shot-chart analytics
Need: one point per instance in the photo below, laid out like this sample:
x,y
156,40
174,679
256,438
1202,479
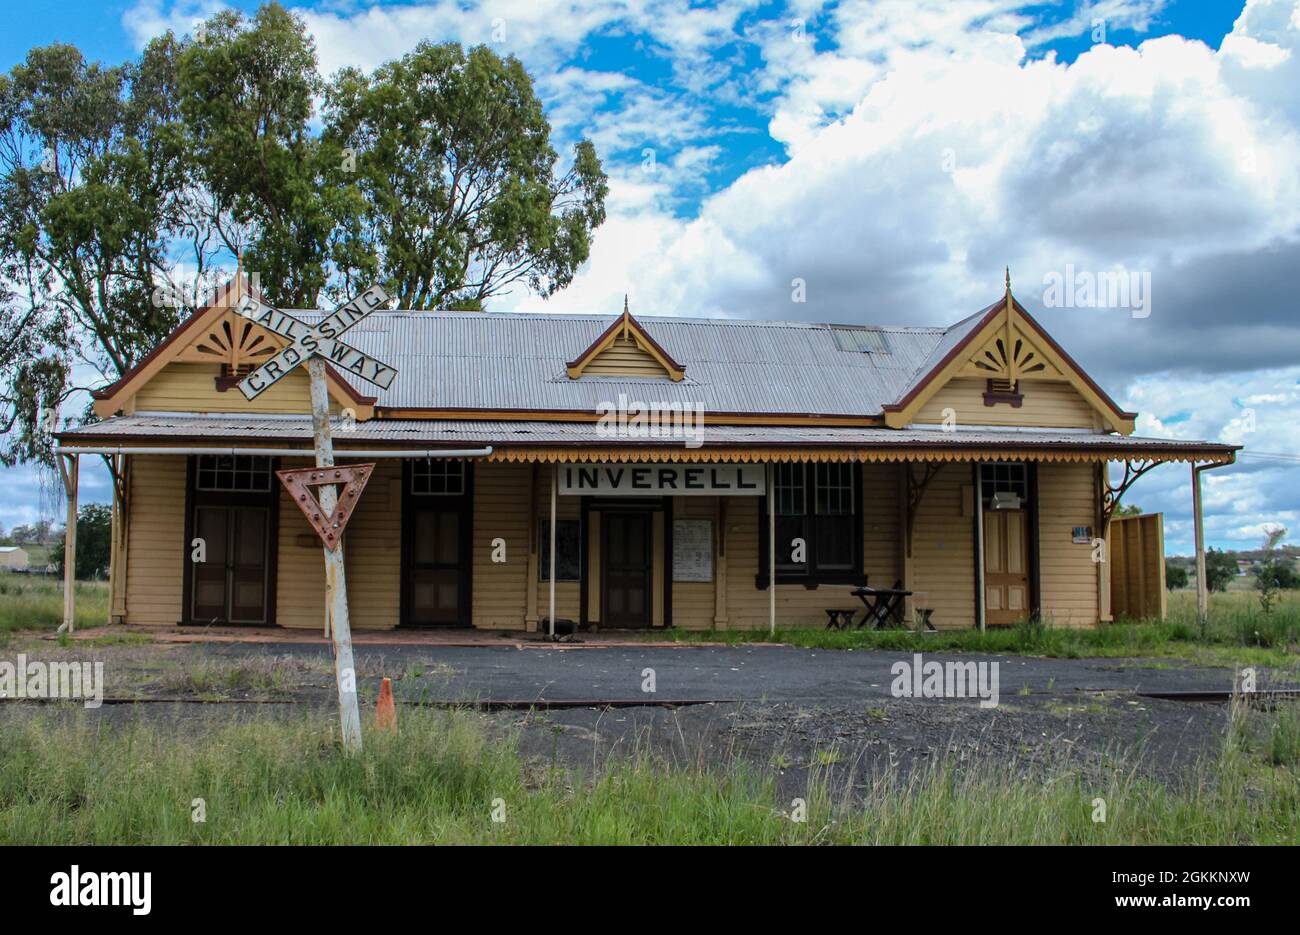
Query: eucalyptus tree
x,y
434,176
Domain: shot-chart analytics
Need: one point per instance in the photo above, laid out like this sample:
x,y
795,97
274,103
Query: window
x,y
438,477
834,526
862,340
233,473
791,496
568,545
1004,477
818,504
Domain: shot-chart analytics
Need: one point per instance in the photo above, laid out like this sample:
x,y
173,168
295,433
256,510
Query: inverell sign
x,y
663,480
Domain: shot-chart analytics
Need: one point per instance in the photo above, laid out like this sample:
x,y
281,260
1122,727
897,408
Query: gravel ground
x,y
794,711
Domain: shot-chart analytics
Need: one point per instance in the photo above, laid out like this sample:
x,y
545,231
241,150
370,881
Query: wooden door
x,y
434,570
1006,566
626,570
230,586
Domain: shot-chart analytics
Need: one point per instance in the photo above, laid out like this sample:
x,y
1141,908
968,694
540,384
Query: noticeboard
x,y
693,550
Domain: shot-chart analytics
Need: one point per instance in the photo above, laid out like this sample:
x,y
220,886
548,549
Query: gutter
x,y
426,453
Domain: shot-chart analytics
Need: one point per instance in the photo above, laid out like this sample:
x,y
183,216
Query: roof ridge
x,y
651,317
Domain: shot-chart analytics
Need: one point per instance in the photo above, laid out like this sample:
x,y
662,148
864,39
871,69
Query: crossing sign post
x,y
311,346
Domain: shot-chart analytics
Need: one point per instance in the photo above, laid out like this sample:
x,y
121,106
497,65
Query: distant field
x,y
38,556
34,602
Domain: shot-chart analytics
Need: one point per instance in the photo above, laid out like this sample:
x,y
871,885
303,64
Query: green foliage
x,y
454,164
94,542
90,187
124,189
1176,575
1278,572
246,88
1219,569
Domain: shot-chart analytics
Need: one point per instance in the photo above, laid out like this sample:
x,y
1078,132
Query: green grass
x,y
269,782
35,602
260,676
1237,633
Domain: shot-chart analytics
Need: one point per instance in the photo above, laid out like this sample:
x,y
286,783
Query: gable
x,y
625,358
1051,403
195,387
625,349
195,367
1007,370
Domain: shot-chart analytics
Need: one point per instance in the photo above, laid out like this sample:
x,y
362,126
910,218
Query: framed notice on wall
x,y
693,550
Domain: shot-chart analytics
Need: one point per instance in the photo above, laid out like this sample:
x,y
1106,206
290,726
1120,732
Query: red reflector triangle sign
x,y
302,483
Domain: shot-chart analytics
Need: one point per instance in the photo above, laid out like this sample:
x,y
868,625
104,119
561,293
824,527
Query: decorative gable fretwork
x,y
233,341
1011,358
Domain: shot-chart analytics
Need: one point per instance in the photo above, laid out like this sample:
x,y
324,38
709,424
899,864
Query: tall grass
x,y
36,602
443,777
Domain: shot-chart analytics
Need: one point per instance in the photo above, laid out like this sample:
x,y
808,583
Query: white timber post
x,y
70,474
979,545
555,482
771,548
1198,522
336,585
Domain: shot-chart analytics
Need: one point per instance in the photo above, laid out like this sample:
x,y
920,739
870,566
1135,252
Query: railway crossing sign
x,y
326,494
322,339
329,524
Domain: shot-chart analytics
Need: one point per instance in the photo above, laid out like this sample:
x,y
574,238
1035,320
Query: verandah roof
x,y
584,441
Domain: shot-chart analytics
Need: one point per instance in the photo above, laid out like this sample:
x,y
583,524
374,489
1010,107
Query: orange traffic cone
x,y
385,711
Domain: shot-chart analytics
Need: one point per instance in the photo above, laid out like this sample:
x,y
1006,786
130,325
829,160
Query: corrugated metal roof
x,y
174,429
950,338
513,360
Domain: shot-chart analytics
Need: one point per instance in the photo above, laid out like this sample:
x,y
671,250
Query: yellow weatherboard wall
x,y
183,387
1067,574
156,530
624,357
1046,404
372,551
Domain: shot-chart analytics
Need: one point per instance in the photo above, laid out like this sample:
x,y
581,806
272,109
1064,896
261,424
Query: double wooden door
x,y
231,584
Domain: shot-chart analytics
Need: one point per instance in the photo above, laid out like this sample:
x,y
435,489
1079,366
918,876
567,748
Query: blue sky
x,y
895,156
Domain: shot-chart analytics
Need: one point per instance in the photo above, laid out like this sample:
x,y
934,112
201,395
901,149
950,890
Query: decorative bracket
x,y
1112,493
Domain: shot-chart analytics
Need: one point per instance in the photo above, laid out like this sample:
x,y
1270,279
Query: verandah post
x,y
336,587
1198,522
771,549
70,474
555,481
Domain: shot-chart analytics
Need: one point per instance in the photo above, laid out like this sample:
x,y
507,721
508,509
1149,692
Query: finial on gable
x,y
1008,269
625,311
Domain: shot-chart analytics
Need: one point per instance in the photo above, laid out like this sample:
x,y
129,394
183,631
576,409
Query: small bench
x,y
839,618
